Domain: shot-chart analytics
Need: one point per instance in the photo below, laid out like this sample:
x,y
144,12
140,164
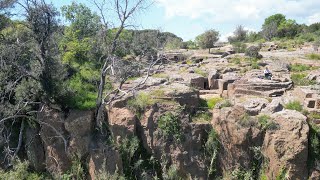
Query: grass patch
x,y
254,63
189,62
210,103
201,72
157,93
299,67
294,105
202,116
266,123
133,78
20,170
183,70
223,104
139,103
247,121
314,115
161,75
236,60
299,79
313,56
283,174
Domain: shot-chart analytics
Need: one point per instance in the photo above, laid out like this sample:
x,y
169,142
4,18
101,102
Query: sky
x,y
189,18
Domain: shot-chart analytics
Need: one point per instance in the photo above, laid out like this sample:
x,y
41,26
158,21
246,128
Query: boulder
x,y
273,107
79,125
253,106
212,79
287,147
314,75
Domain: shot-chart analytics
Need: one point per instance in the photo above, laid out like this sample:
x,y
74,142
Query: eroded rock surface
x,y
287,147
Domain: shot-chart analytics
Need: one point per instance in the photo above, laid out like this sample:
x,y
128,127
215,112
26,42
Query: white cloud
x,y
238,10
313,18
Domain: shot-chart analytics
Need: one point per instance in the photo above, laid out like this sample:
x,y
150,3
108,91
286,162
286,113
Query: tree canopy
x,y
208,39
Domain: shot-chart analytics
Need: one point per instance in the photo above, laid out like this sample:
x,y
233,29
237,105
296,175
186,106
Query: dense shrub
x,y
253,52
239,47
170,125
20,171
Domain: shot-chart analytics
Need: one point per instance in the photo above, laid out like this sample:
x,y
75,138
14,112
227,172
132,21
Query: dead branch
x,y
20,139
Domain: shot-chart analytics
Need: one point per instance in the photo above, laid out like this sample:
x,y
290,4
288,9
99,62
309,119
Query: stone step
x,y
203,92
210,96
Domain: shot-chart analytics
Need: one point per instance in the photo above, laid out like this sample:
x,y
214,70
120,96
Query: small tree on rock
x,y
208,39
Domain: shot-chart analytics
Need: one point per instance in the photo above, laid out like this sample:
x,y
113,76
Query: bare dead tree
x,y
124,10
270,31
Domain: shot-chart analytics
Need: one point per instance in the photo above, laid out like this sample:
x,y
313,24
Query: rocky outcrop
x,y
273,107
104,159
35,150
253,106
122,122
259,87
69,136
53,135
236,140
287,147
187,155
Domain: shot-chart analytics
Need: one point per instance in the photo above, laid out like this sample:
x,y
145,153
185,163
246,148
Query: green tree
x,y
208,39
79,53
288,28
84,23
313,27
173,43
276,18
30,72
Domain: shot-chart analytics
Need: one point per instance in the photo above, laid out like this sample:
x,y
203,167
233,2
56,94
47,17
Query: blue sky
x,y
189,18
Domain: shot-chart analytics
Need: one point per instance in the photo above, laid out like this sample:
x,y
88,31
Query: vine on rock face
x,y
211,148
170,126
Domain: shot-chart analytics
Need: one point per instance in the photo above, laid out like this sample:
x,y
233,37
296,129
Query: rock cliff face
x,y
64,138
282,148
287,147
236,138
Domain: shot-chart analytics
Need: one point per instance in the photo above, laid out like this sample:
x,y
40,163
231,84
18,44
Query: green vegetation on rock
x,y
294,105
299,79
170,126
313,56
